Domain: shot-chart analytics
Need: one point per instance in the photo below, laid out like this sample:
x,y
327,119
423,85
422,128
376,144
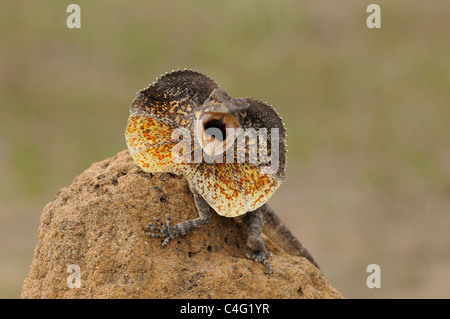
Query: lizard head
x,y
218,121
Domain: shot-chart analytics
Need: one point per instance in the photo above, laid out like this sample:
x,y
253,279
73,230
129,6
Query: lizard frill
x,y
230,188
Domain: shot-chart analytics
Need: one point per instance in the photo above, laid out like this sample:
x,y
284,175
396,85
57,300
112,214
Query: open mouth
x,y
216,132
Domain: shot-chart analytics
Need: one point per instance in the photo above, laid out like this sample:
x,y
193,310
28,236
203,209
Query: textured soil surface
x,y
97,224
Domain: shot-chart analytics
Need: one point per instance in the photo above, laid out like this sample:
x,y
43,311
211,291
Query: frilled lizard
x,y
217,154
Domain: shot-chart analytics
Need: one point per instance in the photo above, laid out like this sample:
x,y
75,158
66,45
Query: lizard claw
x,y
161,230
261,257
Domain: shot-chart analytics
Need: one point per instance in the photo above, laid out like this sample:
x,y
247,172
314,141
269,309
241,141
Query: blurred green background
x,y
367,114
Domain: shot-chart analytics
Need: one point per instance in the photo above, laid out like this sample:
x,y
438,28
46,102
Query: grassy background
x,y
367,114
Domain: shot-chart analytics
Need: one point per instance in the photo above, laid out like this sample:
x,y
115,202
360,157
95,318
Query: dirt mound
x,y
91,244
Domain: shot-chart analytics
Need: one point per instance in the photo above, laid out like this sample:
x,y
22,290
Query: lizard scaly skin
x,y
185,114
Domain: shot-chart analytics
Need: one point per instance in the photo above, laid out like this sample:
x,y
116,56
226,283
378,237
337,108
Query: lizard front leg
x,y
167,231
254,221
